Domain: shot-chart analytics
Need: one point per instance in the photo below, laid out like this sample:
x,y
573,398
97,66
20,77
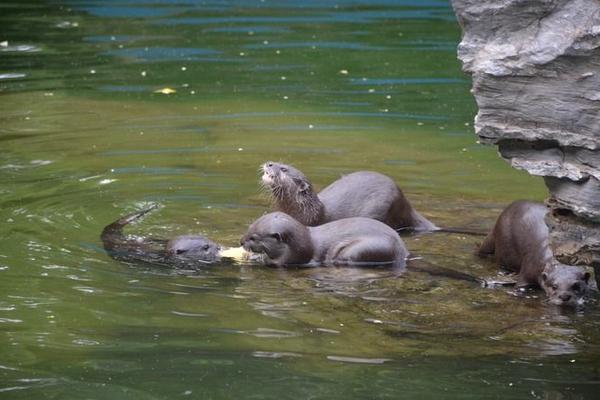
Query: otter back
x,y
519,242
350,241
360,194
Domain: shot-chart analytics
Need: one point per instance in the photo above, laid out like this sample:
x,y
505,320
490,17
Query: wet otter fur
x,y
351,241
193,251
182,251
359,194
284,241
519,242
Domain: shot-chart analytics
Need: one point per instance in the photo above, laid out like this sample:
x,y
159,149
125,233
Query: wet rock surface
x,y
535,67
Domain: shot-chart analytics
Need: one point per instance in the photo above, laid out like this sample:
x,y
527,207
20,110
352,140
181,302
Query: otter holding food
x,y
359,194
351,241
358,241
520,242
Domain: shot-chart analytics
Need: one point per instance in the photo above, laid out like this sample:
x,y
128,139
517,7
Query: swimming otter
x,y
192,251
181,251
284,241
520,242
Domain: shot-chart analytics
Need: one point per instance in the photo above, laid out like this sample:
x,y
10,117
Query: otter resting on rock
x,y
359,194
351,241
182,251
520,243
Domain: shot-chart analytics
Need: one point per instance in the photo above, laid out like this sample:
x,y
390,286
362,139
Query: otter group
x,y
354,221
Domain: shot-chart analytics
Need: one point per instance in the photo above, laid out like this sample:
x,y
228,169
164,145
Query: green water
x,y
330,87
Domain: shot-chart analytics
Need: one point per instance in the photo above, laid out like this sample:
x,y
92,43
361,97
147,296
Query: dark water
x,y
331,87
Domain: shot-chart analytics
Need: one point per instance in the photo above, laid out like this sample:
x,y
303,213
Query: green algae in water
x,y
377,86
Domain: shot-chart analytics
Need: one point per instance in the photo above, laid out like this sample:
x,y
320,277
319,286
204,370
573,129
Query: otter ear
x,y
586,276
277,236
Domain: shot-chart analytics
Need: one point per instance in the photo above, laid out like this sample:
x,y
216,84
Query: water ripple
x,y
361,17
274,354
359,360
10,321
406,81
164,53
316,45
186,314
12,76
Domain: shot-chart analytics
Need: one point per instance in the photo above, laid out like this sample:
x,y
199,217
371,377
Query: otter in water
x,y
358,241
181,251
193,251
351,241
359,194
520,242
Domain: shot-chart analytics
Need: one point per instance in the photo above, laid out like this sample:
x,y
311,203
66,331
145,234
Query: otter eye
x,y
180,251
205,247
284,169
554,287
576,287
276,236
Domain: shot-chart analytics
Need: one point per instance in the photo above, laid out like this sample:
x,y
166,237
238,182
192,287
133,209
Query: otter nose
x,y
565,297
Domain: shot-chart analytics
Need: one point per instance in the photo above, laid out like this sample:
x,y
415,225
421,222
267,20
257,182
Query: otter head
x,y
280,238
194,247
565,285
284,180
292,193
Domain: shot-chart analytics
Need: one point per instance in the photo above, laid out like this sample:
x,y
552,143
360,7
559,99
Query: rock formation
x,y
536,79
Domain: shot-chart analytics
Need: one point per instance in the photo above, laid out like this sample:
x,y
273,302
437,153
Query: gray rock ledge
x,y
535,67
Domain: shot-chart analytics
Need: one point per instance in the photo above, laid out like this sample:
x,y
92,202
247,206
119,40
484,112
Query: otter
x,y
182,251
349,241
193,251
283,240
359,194
519,242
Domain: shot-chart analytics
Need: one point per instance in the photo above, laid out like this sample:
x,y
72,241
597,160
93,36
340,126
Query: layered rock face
x,y
536,79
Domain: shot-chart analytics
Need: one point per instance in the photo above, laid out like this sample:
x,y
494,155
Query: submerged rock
x,y
536,79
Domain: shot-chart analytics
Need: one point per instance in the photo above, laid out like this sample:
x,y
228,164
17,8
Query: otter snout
x,y
269,172
243,242
566,300
251,243
565,297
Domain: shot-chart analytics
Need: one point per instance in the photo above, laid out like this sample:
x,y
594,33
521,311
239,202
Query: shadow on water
x,y
88,134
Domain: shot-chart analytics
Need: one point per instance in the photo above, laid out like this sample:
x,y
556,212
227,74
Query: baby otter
x,y
359,194
351,241
520,242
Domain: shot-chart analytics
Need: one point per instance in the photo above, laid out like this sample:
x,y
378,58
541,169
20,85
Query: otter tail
x,y
462,231
112,234
418,264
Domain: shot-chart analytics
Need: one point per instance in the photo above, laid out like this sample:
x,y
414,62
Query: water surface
x,y
331,87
